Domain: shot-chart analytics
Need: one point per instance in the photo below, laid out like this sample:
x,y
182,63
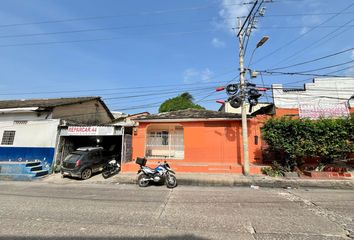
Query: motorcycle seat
x,y
150,169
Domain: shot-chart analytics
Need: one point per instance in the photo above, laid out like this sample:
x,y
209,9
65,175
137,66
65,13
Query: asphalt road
x,y
37,210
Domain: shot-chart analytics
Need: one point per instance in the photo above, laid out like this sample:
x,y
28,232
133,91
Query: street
x,y
37,210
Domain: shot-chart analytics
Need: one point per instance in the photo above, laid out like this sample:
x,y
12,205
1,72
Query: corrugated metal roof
x,y
44,103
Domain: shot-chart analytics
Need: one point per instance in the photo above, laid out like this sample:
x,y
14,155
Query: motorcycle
x,y
162,173
110,168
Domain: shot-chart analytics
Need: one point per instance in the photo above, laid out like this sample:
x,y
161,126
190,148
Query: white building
x,y
39,129
323,97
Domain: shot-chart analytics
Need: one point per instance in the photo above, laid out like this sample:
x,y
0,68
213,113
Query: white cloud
x,y
353,54
216,42
309,21
230,10
192,75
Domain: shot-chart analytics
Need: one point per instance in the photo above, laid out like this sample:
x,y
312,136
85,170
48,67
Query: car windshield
x,y
73,157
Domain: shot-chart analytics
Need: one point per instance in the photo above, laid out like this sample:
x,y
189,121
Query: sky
x,y
135,54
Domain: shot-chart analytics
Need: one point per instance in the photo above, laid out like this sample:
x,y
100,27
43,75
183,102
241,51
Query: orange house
x,y
196,141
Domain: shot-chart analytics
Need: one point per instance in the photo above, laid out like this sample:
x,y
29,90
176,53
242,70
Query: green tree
x,y
183,101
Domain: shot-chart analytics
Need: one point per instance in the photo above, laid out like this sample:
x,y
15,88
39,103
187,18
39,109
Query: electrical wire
x,y
128,88
298,52
307,14
102,39
303,34
302,74
314,60
308,79
116,16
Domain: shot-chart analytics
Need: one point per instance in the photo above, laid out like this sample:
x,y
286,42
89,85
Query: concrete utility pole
x,y
246,164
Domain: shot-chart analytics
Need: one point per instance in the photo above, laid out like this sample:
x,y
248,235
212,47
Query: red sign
x,y
82,130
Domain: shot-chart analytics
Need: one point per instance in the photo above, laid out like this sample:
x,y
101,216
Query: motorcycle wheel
x,y
171,181
106,174
142,182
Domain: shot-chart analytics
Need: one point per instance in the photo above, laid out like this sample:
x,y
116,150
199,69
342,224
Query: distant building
x,y
45,130
324,97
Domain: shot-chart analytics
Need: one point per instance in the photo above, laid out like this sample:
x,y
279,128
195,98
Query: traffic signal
x,y
231,89
235,101
253,96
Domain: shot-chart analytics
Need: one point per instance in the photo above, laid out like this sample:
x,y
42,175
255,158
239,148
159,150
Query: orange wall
x,y
211,142
279,112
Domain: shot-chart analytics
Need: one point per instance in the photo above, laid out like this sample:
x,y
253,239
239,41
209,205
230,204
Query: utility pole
x,y
246,164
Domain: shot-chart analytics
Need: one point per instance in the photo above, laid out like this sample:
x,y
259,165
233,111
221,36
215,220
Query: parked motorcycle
x,y
110,168
162,173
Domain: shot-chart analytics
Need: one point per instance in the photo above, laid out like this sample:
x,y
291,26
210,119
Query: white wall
x,y
229,109
41,133
321,91
18,114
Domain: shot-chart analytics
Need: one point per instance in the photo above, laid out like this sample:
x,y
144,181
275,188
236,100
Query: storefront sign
x,y
89,131
313,111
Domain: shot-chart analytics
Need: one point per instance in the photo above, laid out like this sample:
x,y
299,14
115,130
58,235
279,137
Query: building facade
x,y
324,97
196,141
36,131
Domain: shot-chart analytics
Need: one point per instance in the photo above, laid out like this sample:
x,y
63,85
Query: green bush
x,y
298,139
272,172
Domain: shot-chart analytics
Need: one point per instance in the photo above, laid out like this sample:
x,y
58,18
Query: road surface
x,y
37,210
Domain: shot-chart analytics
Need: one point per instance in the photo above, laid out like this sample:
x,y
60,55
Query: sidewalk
x,y
205,179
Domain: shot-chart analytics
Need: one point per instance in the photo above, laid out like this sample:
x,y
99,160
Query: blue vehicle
x,y
162,173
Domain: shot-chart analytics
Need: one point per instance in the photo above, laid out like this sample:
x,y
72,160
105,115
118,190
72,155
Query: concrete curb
x,y
217,180
240,181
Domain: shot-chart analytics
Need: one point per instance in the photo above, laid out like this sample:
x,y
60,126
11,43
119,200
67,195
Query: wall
x,y
212,143
227,108
91,112
322,90
34,140
18,116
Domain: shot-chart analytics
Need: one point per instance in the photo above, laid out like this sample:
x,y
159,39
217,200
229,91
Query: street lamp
x,y
259,44
262,41
246,164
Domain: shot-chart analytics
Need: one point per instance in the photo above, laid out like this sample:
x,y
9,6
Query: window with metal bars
x,y
8,138
165,144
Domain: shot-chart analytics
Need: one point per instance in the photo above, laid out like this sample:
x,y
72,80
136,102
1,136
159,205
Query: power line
x,y
300,73
144,26
332,66
128,88
292,27
313,60
311,70
315,42
152,105
101,39
109,28
306,14
116,16
213,92
304,34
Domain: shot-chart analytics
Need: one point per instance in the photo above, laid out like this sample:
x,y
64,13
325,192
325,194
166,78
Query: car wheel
x,y
86,173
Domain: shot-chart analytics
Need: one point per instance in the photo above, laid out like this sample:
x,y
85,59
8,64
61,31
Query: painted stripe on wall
x,y
22,154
